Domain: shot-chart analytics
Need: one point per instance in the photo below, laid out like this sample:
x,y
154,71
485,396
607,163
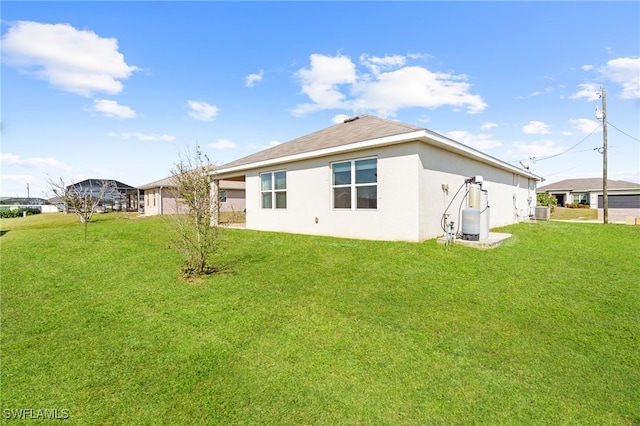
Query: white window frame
x,y
273,191
353,186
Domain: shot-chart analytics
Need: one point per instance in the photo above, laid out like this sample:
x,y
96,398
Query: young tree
x,y
82,199
197,238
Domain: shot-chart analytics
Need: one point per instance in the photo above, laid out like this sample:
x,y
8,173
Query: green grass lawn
x,y
563,213
544,329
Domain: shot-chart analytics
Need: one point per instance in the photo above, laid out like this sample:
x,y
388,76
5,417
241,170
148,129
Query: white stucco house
x,y
373,178
623,197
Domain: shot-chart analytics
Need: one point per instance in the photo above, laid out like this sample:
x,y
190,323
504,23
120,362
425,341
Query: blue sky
x,y
119,89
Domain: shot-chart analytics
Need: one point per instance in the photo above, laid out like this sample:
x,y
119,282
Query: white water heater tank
x,y
471,224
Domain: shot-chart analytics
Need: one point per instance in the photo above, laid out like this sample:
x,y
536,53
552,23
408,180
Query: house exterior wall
x,y
410,196
159,201
309,196
235,201
511,197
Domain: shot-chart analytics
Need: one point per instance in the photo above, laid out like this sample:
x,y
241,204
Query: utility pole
x,y
28,197
605,195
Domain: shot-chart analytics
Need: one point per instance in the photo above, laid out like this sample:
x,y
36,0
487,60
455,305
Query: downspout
x,y
161,211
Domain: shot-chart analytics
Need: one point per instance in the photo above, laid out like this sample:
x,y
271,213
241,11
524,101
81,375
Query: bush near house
x,y
314,330
547,200
10,213
577,206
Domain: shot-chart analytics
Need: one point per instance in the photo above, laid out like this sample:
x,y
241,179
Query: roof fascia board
x,y
422,135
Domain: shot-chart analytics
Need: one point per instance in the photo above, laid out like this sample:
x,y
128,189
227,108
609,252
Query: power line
x,y
535,160
570,148
624,133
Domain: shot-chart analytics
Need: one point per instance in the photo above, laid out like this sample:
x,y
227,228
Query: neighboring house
x,y
123,197
623,197
372,178
159,197
16,203
58,202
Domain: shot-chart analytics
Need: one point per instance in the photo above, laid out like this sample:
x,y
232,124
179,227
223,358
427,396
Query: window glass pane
x,y
281,200
223,196
266,181
342,198
367,171
342,173
367,197
266,200
280,180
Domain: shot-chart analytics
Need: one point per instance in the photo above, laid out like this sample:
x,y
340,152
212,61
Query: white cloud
x,y
202,111
274,143
16,178
16,185
537,149
624,71
588,91
584,125
253,78
222,144
143,137
77,61
587,67
321,82
536,128
377,65
113,109
33,162
385,85
488,126
546,91
480,142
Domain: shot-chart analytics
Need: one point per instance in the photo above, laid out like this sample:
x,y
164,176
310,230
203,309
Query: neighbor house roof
x,y
587,184
97,183
167,183
354,134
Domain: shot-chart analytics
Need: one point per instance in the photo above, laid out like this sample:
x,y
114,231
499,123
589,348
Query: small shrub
x,y
547,200
8,214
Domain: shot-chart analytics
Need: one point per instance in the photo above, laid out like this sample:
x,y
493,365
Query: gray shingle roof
x,y
167,183
351,131
587,184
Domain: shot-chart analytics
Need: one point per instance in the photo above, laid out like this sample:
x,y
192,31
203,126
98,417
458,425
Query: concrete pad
x,y
493,240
